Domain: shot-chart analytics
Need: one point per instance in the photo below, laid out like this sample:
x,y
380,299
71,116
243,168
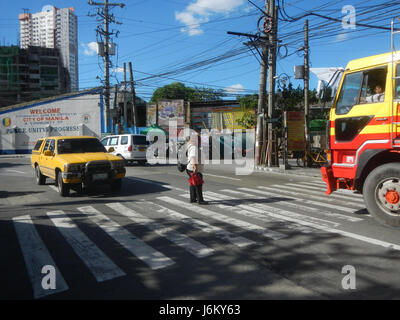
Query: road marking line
x,y
261,208
317,203
199,224
194,247
343,233
11,170
295,205
333,195
153,258
336,231
98,263
54,188
325,199
243,210
167,186
225,219
344,191
36,256
214,175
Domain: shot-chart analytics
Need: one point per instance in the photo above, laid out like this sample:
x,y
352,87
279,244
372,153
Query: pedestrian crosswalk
x,y
241,217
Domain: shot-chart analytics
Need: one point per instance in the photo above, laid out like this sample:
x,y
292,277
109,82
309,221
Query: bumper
x,y
327,176
88,178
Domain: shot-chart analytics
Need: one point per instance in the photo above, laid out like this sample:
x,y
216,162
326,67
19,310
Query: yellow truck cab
x,y
364,135
75,162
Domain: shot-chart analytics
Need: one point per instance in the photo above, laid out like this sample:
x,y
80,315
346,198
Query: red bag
x,y
195,180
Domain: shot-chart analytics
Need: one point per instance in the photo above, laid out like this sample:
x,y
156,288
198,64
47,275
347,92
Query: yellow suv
x,y
75,162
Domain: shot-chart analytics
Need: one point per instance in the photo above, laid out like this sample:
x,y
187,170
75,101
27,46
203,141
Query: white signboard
x,y
21,127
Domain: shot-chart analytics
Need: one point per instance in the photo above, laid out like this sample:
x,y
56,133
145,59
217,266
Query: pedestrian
x,y
195,169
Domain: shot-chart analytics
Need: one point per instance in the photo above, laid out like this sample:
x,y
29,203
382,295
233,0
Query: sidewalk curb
x,y
302,172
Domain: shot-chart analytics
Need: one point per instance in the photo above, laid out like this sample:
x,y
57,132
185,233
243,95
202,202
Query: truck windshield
x,y
79,146
350,92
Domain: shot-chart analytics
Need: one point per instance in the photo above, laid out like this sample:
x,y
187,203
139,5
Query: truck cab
x,y
363,135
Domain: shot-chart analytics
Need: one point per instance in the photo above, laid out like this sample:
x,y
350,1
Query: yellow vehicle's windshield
x,y
79,146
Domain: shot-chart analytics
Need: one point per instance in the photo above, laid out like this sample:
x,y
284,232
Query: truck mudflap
x,y
327,176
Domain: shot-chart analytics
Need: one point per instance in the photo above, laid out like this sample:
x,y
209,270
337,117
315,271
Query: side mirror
x,y
111,149
48,153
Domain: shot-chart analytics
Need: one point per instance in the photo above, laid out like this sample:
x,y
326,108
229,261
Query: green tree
x,y
178,90
249,106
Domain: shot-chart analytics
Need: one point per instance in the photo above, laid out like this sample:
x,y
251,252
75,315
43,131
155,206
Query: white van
x,y
130,147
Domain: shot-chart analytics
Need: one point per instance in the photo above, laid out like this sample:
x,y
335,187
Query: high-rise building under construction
x,y
53,28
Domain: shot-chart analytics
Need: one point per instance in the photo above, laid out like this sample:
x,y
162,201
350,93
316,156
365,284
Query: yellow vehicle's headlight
x,y
118,164
73,167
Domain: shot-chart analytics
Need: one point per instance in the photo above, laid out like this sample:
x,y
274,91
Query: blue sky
x,y
187,41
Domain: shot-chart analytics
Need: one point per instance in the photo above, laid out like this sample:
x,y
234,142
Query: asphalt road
x,y
262,236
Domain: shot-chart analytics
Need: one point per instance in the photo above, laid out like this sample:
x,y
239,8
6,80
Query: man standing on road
x,y
195,167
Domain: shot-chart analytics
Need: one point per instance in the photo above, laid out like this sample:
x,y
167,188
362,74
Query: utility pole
x,y
125,102
306,92
260,134
104,13
133,92
265,42
261,104
271,81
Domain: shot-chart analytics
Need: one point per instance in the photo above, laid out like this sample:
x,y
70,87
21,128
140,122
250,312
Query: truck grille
x,y
98,166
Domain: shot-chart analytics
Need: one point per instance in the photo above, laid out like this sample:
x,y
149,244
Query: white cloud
x,y
235,88
90,49
118,70
198,12
341,37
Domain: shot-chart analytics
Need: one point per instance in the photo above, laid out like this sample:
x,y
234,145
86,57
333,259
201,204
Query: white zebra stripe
x,y
240,209
289,216
153,258
198,224
36,256
98,263
295,205
316,197
344,191
225,219
333,195
193,246
264,208
298,196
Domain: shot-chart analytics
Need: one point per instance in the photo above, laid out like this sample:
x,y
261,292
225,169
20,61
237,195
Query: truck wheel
x,y
116,185
40,179
382,194
63,189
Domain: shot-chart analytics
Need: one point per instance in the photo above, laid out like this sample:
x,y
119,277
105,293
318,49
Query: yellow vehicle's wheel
x,y
40,179
63,189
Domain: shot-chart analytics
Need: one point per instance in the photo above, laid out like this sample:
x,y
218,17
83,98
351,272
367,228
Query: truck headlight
x,y
117,164
73,167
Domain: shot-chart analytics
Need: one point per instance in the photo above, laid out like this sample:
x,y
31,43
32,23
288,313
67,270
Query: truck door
x,y
47,163
361,117
396,109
